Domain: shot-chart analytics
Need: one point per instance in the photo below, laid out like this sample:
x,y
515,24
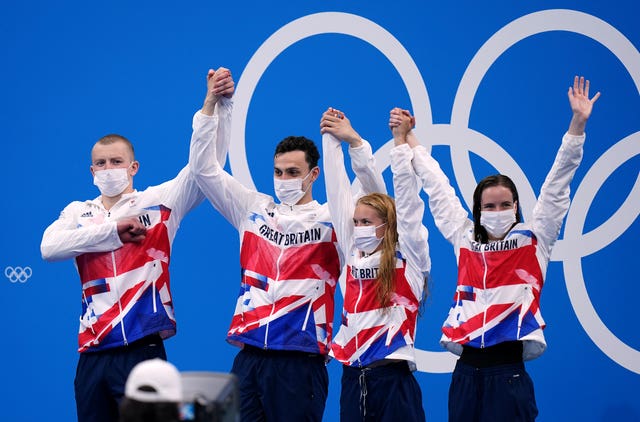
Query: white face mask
x,y
365,239
111,182
289,191
497,223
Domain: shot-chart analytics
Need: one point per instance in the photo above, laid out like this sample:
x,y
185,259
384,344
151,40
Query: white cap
x,y
154,380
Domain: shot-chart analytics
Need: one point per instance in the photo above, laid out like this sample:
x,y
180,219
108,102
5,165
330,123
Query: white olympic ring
x,y
18,274
321,23
574,245
307,26
462,139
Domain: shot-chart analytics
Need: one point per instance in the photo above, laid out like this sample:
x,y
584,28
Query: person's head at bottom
x,y
153,393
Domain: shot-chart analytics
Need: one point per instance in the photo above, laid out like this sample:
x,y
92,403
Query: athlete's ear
x,y
315,173
133,169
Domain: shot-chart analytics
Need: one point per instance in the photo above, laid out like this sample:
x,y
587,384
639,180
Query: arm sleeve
x,y
413,236
63,239
224,107
181,193
553,203
448,213
364,166
225,193
339,198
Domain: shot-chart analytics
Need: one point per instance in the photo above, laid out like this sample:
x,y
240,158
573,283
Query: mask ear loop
x,y
383,224
130,167
305,178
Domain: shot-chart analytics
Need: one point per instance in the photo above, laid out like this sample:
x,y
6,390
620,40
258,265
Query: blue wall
x,y
486,80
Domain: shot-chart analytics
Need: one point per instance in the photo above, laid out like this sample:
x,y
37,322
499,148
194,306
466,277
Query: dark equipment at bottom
x,y
210,397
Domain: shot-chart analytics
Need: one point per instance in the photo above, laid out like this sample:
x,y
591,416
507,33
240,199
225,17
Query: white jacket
x,y
125,287
499,283
368,332
289,260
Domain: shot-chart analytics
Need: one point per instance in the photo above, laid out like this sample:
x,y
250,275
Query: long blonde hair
x,y
385,207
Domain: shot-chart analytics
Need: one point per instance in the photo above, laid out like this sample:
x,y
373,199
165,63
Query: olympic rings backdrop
x,y
487,82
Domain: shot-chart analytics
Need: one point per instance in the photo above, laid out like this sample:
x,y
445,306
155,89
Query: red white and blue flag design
x,y
498,293
288,281
370,332
125,293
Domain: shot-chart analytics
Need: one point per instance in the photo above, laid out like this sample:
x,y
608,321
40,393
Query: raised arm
x,y
220,88
65,238
339,199
225,193
554,200
363,163
412,234
183,193
581,105
449,215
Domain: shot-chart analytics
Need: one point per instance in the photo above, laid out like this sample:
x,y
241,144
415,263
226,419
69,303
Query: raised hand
x,y
400,122
223,83
580,104
219,83
336,123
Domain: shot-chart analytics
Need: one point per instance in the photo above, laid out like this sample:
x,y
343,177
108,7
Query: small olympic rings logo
x,y
18,274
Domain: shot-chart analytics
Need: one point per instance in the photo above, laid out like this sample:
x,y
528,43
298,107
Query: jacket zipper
x,y
306,317
115,288
84,299
355,312
153,292
273,305
484,302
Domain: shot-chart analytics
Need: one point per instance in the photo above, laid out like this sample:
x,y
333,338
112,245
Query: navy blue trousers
x,y
494,394
384,393
101,376
281,385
